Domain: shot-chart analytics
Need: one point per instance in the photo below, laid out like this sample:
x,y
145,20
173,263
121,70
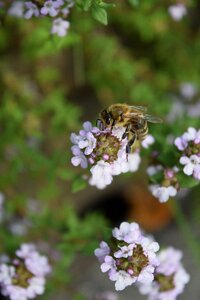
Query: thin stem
x,y
186,230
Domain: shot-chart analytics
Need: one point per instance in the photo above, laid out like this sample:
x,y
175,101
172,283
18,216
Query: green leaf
x,y
87,4
78,184
186,181
107,5
99,14
157,178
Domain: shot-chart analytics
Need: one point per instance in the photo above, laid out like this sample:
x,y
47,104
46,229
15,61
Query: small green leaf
x,y
99,14
186,181
78,184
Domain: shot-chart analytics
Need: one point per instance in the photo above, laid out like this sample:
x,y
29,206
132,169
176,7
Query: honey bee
x,y
133,118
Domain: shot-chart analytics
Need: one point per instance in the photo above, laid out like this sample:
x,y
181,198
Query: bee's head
x,y
106,117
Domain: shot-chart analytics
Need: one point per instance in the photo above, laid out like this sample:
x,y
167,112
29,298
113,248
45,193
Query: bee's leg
x,y
126,132
130,144
113,124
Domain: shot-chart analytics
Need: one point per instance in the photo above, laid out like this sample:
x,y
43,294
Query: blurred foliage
x,y
48,83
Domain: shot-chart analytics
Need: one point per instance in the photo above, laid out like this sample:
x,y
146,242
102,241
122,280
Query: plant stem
x,y
186,230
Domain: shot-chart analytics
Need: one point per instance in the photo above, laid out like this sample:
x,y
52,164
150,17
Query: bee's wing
x,y
139,108
152,119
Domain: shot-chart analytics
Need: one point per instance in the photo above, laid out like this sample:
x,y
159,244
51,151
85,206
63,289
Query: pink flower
x,y
102,252
163,193
60,27
177,11
149,140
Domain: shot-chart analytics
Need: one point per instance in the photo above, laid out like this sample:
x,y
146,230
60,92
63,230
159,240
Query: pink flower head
x,y
25,278
132,256
170,277
105,151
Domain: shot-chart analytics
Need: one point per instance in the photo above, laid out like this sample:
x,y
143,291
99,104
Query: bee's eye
x,y
106,116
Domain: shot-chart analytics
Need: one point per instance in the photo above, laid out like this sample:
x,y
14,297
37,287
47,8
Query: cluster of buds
x,y
189,145
56,9
24,277
169,185
104,151
131,257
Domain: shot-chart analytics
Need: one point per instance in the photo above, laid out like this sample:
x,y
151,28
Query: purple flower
x,y
181,143
192,165
108,264
16,9
60,27
49,8
127,232
131,256
102,252
31,10
170,277
123,279
79,158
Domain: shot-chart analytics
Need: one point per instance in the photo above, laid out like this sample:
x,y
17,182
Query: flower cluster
x,y
189,145
170,277
56,9
105,152
169,184
130,257
24,277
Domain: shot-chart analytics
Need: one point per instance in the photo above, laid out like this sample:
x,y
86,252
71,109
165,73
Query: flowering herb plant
x,y
59,67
